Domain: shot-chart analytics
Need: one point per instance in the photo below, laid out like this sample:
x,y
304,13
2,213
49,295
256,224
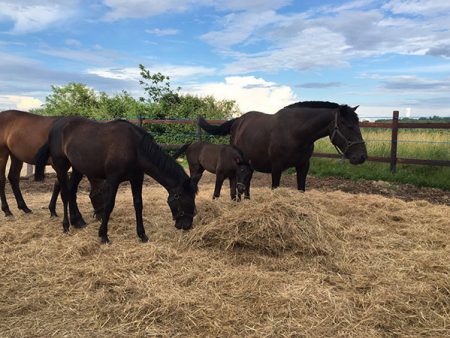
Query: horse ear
x,y
354,108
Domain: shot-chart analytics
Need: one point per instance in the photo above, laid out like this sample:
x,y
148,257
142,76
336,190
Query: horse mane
x,y
344,110
314,104
240,153
153,152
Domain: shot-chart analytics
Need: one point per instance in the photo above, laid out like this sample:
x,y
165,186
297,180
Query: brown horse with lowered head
x,y
286,139
115,151
226,161
21,135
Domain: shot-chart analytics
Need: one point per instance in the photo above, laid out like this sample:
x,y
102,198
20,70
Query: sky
x,y
380,55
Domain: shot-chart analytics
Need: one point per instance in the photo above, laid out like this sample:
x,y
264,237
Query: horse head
x,y
181,201
345,135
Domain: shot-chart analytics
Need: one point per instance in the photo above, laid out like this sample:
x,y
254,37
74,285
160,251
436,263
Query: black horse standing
x,y
116,151
286,139
224,160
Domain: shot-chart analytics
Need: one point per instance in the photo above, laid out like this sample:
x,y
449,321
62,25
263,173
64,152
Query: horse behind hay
x,y
116,151
21,135
274,143
223,160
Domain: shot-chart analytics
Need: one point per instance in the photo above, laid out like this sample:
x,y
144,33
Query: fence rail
x,y
394,125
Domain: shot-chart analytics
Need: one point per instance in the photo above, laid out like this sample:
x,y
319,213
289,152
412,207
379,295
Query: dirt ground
x,y
405,192
370,262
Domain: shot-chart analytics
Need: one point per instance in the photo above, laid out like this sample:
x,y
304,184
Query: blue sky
x,y
381,55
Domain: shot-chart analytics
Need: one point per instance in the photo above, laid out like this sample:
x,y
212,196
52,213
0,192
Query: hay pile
x,y
273,223
359,265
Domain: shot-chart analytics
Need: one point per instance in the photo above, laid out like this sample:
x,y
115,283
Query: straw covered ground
x,y
323,263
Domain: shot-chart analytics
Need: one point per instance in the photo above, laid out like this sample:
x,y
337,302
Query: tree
x,y
155,85
78,99
71,99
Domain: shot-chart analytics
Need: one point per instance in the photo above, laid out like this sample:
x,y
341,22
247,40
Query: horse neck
x,y
319,124
169,179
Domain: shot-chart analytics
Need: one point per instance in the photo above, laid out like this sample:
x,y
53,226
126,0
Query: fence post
x,y
29,170
394,139
199,133
140,119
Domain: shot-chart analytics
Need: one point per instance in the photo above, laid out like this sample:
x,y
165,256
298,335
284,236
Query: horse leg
x,y
112,185
219,182
233,189
52,204
14,178
303,167
302,171
136,189
196,172
276,176
75,216
247,188
3,159
96,197
61,167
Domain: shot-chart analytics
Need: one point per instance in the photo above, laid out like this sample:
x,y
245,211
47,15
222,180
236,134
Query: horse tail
x,y
223,129
40,160
182,150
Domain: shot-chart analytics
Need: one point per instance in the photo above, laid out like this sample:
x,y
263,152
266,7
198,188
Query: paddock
x,y
321,263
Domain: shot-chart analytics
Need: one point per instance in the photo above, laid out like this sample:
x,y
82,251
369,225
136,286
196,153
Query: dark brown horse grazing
x,y
21,135
286,139
116,151
225,161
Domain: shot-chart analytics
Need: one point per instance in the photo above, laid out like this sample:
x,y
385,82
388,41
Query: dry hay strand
x,y
273,222
387,276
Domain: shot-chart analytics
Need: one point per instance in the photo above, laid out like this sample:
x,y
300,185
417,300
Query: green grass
x,y
378,144
413,143
420,175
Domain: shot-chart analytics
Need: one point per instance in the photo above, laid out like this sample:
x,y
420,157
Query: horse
x,y
115,151
21,135
226,161
274,143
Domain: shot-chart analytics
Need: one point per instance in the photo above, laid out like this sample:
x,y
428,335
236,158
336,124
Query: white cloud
x,y
162,32
73,42
19,102
355,30
122,9
96,55
176,72
419,7
32,15
249,92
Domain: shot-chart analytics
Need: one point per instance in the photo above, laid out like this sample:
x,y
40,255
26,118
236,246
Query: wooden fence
x,y
394,125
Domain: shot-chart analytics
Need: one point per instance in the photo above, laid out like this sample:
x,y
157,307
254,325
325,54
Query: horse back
x,y
94,147
24,133
252,135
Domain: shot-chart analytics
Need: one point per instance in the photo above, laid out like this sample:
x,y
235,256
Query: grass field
x,y
413,143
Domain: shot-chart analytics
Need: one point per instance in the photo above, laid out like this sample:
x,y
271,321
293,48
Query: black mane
x,y
152,151
314,104
345,110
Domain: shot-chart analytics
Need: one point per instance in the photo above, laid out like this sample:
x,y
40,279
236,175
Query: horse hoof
x,y
144,238
53,214
8,213
79,224
105,240
66,230
26,210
